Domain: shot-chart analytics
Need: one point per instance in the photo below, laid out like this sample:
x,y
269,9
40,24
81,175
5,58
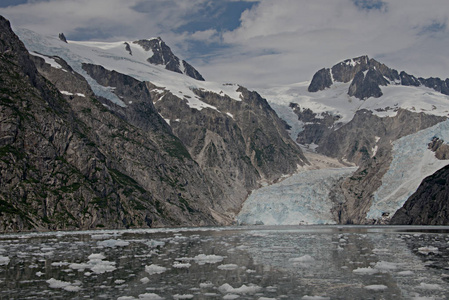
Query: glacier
x,y
412,162
302,198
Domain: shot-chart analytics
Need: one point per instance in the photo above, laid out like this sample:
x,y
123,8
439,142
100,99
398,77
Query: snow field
x,y
113,56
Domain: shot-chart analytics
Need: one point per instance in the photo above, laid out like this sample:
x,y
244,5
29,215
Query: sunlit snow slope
x,y
336,101
114,56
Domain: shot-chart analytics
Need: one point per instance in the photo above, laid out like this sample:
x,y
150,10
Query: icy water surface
x,y
309,262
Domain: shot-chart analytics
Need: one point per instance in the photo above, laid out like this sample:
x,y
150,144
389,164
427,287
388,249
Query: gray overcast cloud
x,y
266,42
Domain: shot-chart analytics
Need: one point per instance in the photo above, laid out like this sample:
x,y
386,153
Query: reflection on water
x,y
310,262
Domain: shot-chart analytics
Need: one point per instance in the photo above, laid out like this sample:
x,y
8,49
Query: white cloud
x,y
277,42
309,35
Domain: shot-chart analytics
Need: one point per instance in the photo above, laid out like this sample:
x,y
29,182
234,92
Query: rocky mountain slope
x,y
89,141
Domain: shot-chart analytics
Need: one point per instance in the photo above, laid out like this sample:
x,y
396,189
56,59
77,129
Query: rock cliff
x,y
429,205
67,162
368,75
162,55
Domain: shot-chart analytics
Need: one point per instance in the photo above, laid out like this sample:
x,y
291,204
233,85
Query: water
x,y
302,262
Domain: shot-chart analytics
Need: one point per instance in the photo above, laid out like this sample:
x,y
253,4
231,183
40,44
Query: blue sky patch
x,y
218,15
370,4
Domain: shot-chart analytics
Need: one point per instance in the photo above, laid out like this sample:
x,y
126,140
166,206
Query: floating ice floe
x,y
155,269
113,243
427,250
314,298
68,286
384,266
179,265
95,263
4,260
365,271
429,286
376,287
303,259
228,267
185,296
244,289
145,280
202,259
150,296
206,284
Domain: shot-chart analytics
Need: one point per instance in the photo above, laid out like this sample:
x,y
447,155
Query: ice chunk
x,y
365,271
145,280
231,297
228,267
427,250
376,287
202,259
68,286
384,266
406,273
179,265
96,256
315,298
303,259
185,296
103,267
206,284
244,289
155,269
113,243
429,286
150,296
4,260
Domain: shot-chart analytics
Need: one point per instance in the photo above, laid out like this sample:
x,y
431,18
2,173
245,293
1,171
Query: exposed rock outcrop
x,y
368,75
67,162
162,55
321,80
429,205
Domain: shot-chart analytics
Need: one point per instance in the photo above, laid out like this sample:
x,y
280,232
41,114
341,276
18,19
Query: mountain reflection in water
x,y
283,262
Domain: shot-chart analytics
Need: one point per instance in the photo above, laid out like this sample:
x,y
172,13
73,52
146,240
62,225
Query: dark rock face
x,y
67,162
440,148
366,84
347,69
162,55
128,48
191,71
437,84
62,37
368,75
409,80
429,205
320,81
317,128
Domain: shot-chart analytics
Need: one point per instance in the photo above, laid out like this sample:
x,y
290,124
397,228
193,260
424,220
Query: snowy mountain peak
x,y
162,55
366,76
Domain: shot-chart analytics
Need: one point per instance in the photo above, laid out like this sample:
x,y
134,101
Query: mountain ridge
x,y
368,75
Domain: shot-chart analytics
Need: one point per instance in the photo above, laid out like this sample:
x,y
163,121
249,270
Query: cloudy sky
x,y
258,43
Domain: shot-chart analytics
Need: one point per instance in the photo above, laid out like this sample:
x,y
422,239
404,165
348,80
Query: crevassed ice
x,y
300,199
412,162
